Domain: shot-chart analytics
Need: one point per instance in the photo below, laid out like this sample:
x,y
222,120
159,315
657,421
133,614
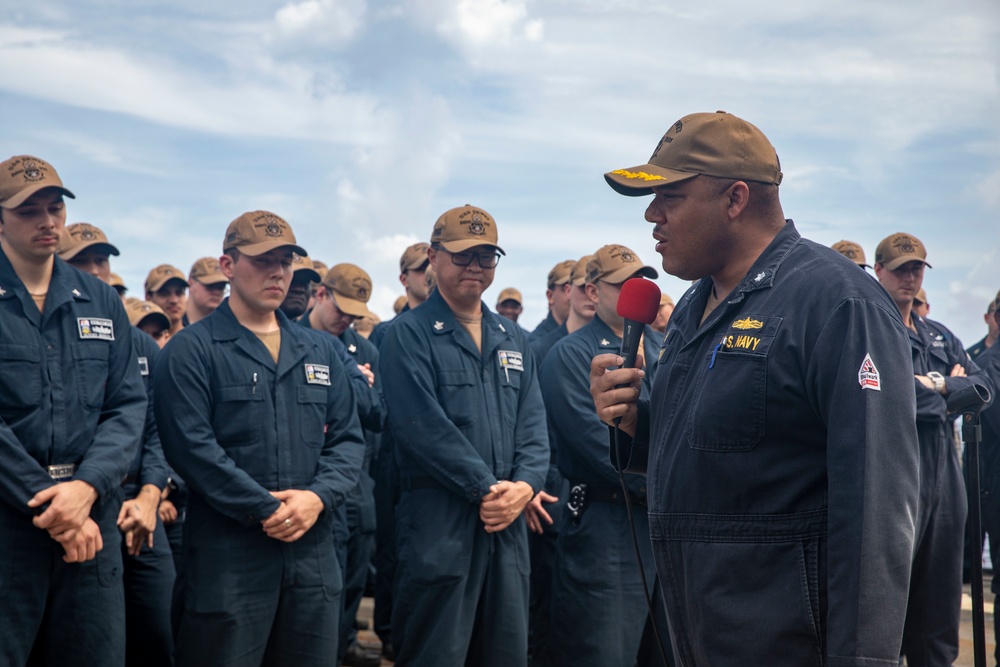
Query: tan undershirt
x,y
272,341
474,325
39,300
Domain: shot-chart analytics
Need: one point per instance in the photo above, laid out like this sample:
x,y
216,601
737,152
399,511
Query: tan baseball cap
x,y
304,264
351,287
116,281
257,232
320,268
510,294
898,249
140,310
414,257
851,251
615,264
430,279
713,144
459,229
22,176
560,273
665,300
398,304
921,297
81,235
207,272
161,275
578,276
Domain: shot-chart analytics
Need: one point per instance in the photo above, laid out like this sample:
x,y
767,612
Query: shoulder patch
x,y
318,374
95,328
868,376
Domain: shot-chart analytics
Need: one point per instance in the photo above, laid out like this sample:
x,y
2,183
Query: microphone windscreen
x,y
639,300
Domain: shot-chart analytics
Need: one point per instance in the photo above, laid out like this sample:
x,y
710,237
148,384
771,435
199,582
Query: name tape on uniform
x,y
318,374
95,328
512,360
143,366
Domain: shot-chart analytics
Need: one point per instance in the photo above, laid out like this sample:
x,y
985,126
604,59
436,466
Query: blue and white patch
x,y
95,328
318,374
143,366
511,360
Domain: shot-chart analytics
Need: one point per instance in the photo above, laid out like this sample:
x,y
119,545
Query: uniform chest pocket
x,y
91,371
238,414
312,414
457,394
729,411
20,377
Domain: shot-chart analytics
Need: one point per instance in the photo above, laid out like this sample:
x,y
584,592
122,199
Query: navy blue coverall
x,y
598,602
989,474
236,426
70,394
933,616
460,420
781,447
149,577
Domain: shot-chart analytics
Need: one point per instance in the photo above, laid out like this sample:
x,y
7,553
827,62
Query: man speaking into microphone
x,y
779,440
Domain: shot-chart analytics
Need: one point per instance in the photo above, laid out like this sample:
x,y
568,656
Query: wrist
x,y
938,380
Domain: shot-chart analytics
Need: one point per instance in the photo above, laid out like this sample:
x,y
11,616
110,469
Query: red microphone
x,y
638,303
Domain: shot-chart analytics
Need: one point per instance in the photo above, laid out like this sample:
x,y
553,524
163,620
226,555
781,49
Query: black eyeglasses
x,y
486,260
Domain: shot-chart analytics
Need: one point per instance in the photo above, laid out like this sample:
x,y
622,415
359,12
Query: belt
x,y
610,494
62,472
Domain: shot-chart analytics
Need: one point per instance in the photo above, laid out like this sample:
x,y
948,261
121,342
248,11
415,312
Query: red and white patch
x,y
868,376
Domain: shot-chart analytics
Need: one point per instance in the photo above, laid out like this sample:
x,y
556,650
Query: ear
x,y
738,195
591,290
878,270
226,266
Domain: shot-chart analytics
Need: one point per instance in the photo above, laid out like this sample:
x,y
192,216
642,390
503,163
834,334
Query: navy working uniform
x,y
598,602
461,421
72,406
544,327
236,426
782,448
989,473
933,616
149,577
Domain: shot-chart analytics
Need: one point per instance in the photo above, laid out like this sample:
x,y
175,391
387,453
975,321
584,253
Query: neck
x,y
255,320
906,311
991,339
616,324
413,301
35,275
194,313
463,308
556,317
575,322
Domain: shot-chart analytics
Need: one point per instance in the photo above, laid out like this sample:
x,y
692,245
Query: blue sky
x,y
360,122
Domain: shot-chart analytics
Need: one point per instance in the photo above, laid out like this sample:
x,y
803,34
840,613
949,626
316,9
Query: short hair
x,y
763,196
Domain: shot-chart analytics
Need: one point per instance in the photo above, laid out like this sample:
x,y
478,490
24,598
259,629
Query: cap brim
x,y
310,273
23,195
211,279
255,249
156,287
351,306
640,180
73,252
462,246
899,261
626,272
164,320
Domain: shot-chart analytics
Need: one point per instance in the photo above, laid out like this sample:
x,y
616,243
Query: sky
x,y
360,122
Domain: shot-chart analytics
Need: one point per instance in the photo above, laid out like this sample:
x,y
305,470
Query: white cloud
x,y
321,21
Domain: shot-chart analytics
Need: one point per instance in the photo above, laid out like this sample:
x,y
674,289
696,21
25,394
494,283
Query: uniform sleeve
x,y
581,435
123,414
153,466
21,476
872,477
343,447
420,428
370,403
531,439
183,407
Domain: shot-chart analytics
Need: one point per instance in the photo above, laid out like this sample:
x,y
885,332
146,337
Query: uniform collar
x,y
443,322
226,327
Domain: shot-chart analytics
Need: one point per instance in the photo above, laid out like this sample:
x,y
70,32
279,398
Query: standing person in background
x,y
256,413
779,441
557,297
663,314
941,366
167,288
72,407
992,330
509,304
206,289
921,306
412,267
853,252
300,291
468,431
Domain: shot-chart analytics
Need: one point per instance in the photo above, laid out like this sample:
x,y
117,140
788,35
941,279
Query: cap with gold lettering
x,y
302,263
509,294
161,275
207,272
615,264
81,235
414,257
397,305
578,276
894,251
138,311
712,144
459,229
351,287
851,251
257,232
22,176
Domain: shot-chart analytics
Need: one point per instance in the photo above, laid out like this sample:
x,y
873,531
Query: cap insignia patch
x,y
904,244
32,171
